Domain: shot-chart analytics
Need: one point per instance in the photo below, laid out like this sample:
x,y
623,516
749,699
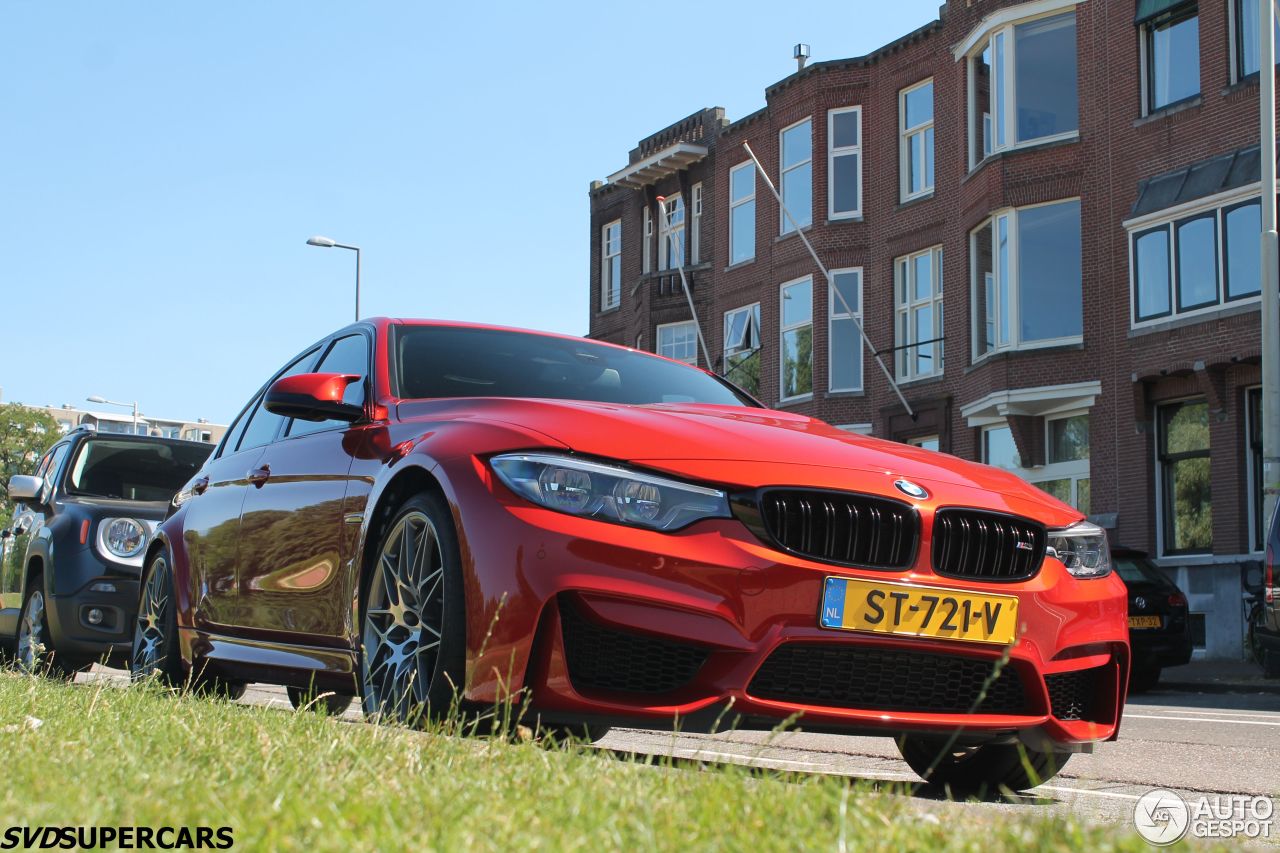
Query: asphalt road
x,y
1195,744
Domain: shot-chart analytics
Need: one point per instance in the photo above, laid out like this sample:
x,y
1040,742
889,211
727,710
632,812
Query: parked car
x,y
422,512
1264,626
90,509
1159,624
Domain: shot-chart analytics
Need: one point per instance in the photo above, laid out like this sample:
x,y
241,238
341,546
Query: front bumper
x,y
684,627
73,596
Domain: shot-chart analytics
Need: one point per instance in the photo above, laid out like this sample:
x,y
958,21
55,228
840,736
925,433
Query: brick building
x,y
1046,215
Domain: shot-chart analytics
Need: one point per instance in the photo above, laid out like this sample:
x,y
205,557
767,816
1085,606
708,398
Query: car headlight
x,y
1082,548
608,492
124,537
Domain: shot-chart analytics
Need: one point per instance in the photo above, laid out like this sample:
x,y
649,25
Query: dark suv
x,y
90,510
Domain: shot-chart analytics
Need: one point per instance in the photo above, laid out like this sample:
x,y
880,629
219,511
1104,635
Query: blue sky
x,y
161,165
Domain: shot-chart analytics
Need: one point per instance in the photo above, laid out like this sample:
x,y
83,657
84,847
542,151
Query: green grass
x,y
141,757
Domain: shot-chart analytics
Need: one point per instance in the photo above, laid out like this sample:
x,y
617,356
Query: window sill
x,y
1031,145
914,200
846,395
1004,354
920,381
611,310
794,401
1169,110
1204,559
1246,305
791,234
739,265
840,220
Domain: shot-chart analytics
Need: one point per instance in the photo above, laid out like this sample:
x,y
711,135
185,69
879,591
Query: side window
x,y
55,463
262,425
346,355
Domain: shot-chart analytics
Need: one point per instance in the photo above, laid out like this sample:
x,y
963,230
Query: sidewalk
x,y
1218,676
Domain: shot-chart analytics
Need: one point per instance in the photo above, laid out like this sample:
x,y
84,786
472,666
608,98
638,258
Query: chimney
x,y
801,54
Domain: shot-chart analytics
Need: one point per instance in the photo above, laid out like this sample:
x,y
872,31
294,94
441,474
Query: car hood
x,y
749,448
146,510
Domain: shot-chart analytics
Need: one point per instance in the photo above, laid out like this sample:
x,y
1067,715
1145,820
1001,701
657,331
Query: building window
x,y
1023,77
679,341
796,374
796,144
1186,510
1026,278
1244,34
1257,527
695,226
1175,265
844,347
844,163
742,348
647,260
671,233
611,265
918,287
742,213
915,129
926,442
1065,474
1171,50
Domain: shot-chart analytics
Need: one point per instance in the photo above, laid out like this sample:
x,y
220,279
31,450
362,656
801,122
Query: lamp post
x,y
1270,261
96,399
327,243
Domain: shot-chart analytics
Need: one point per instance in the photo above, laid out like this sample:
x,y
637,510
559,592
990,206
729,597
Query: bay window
x,y
671,233
679,341
742,213
796,339
695,225
611,265
1025,266
844,163
796,155
918,289
1065,474
915,131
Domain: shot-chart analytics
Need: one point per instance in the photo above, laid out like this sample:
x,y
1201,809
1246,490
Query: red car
x,y
411,510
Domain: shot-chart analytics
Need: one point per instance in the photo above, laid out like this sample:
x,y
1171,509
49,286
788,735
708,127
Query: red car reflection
x,y
418,512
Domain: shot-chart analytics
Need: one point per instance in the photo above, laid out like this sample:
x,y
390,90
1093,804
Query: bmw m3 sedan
x,y
432,515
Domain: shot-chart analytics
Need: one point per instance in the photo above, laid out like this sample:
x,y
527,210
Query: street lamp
x,y
96,399
328,243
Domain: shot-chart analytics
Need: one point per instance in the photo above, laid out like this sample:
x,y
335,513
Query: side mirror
x,y
23,487
313,397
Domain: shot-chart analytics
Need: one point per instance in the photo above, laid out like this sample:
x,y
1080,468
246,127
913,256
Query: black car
x,y
90,510
1159,625
1264,622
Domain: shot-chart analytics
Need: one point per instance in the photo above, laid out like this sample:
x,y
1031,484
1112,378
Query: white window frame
x,y
610,284
668,326
751,332
695,224
905,135
1168,219
782,331
1001,26
1014,342
671,240
735,203
906,305
647,259
782,173
833,153
1075,470
835,311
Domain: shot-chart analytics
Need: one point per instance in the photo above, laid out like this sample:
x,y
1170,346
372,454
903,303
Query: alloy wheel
x,y
31,645
403,620
149,637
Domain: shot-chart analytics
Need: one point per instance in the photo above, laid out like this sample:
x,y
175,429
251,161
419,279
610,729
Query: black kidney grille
x,y
600,658
1074,694
969,543
840,527
885,679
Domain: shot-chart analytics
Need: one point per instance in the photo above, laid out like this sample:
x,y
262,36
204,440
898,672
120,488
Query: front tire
x,y
413,617
983,770
35,652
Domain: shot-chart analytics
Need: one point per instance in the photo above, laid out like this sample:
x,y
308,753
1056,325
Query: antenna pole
x,y
830,282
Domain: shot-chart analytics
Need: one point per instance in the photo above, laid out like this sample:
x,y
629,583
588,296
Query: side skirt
x,y
239,659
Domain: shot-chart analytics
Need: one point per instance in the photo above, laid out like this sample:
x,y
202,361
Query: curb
x,y
1269,687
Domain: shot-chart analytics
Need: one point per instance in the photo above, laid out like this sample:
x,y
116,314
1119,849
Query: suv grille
x,y
971,543
885,679
600,658
1073,694
841,527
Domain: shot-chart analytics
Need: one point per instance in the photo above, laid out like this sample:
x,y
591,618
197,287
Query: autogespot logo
x,y
1162,817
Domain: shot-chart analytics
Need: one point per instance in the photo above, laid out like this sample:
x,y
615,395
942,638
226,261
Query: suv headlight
x,y
608,492
1082,548
124,537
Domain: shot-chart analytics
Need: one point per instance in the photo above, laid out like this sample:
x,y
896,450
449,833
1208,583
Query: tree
x,y
24,435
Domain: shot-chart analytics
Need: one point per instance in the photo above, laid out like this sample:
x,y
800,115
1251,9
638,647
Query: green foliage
x,y
24,435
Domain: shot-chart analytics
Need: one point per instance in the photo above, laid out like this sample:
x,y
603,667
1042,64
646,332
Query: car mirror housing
x,y
313,397
23,487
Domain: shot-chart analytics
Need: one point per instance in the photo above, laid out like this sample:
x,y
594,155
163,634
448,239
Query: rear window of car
x,y
134,470
448,361
1137,571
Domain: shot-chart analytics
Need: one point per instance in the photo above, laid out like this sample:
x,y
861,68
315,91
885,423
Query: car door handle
x,y
199,486
259,476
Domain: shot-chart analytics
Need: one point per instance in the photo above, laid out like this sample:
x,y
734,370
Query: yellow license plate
x,y
1144,622
849,604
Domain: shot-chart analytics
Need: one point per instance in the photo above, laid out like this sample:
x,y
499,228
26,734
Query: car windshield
x,y
134,470
1137,571
457,361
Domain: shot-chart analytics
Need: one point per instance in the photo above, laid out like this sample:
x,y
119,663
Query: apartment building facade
x,y
1045,215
